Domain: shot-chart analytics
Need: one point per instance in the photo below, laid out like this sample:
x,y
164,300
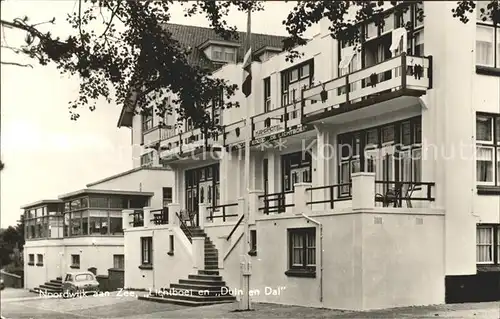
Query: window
x,y
167,196
267,94
488,244
147,121
294,166
253,243
487,37
223,54
146,250
39,260
147,159
31,259
377,154
119,261
302,252
485,52
171,243
293,81
488,149
75,261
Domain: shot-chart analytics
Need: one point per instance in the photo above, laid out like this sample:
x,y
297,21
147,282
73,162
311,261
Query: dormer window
x,y
223,54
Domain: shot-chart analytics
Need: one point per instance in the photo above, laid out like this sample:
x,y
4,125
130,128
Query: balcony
x,y
387,86
157,134
192,142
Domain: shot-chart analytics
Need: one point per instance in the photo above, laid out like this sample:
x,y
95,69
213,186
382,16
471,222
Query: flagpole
x,y
245,269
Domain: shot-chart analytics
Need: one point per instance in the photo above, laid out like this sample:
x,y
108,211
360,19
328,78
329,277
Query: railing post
x,y
173,209
202,215
199,252
147,216
300,198
254,203
363,190
347,89
302,105
403,70
127,218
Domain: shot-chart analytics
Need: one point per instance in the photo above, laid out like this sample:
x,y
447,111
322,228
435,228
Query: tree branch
x,y
113,14
16,64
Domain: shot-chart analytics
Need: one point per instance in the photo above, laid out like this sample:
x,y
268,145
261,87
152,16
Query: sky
x,y
44,152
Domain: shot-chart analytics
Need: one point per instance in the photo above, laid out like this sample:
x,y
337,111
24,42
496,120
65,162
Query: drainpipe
x,y
152,255
320,254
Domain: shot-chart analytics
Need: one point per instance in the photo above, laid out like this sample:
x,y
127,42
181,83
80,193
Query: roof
x,y
131,171
196,38
104,192
42,202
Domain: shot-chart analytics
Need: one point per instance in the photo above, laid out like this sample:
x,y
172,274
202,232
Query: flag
x,y
246,87
247,74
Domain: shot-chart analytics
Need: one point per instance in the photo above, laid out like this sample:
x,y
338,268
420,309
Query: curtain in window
x,y
484,46
484,252
311,249
417,164
297,242
498,48
484,164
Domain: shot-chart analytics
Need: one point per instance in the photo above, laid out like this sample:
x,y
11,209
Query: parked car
x,y
79,283
2,285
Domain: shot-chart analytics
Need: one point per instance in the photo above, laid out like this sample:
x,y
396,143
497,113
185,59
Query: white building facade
x,y
374,173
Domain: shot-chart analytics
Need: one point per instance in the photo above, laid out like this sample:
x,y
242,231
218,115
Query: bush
x,y
14,269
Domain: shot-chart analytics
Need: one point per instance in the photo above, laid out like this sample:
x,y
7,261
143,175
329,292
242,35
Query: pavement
x,y
19,303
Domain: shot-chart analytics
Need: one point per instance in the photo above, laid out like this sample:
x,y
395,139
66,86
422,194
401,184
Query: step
x,y
211,267
211,262
184,302
59,278
196,287
197,298
206,277
56,282
50,287
202,282
53,284
208,272
213,292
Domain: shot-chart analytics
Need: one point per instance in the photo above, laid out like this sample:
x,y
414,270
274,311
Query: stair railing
x,y
234,228
183,224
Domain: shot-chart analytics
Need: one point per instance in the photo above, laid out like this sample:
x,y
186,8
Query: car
x,y
79,283
2,285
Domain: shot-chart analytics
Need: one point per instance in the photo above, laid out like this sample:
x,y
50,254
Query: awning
x,y
347,54
397,35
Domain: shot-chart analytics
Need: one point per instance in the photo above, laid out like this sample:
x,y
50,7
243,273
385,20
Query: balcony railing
x,y
157,134
276,202
137,218
160,216
222,212
187,142
399,73
234,133
329,194
403,194
276,121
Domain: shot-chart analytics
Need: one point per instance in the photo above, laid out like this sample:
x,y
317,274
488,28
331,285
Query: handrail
x,y
223,216
162,218
235,226
190,235
276,197
395,194
331,189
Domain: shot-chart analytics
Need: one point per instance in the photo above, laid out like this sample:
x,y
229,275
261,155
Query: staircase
x,y
52,287
204,288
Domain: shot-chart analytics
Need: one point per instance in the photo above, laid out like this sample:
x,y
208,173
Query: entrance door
x,y
202,186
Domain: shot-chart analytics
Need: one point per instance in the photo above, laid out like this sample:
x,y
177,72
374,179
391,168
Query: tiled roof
x,y
192,37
